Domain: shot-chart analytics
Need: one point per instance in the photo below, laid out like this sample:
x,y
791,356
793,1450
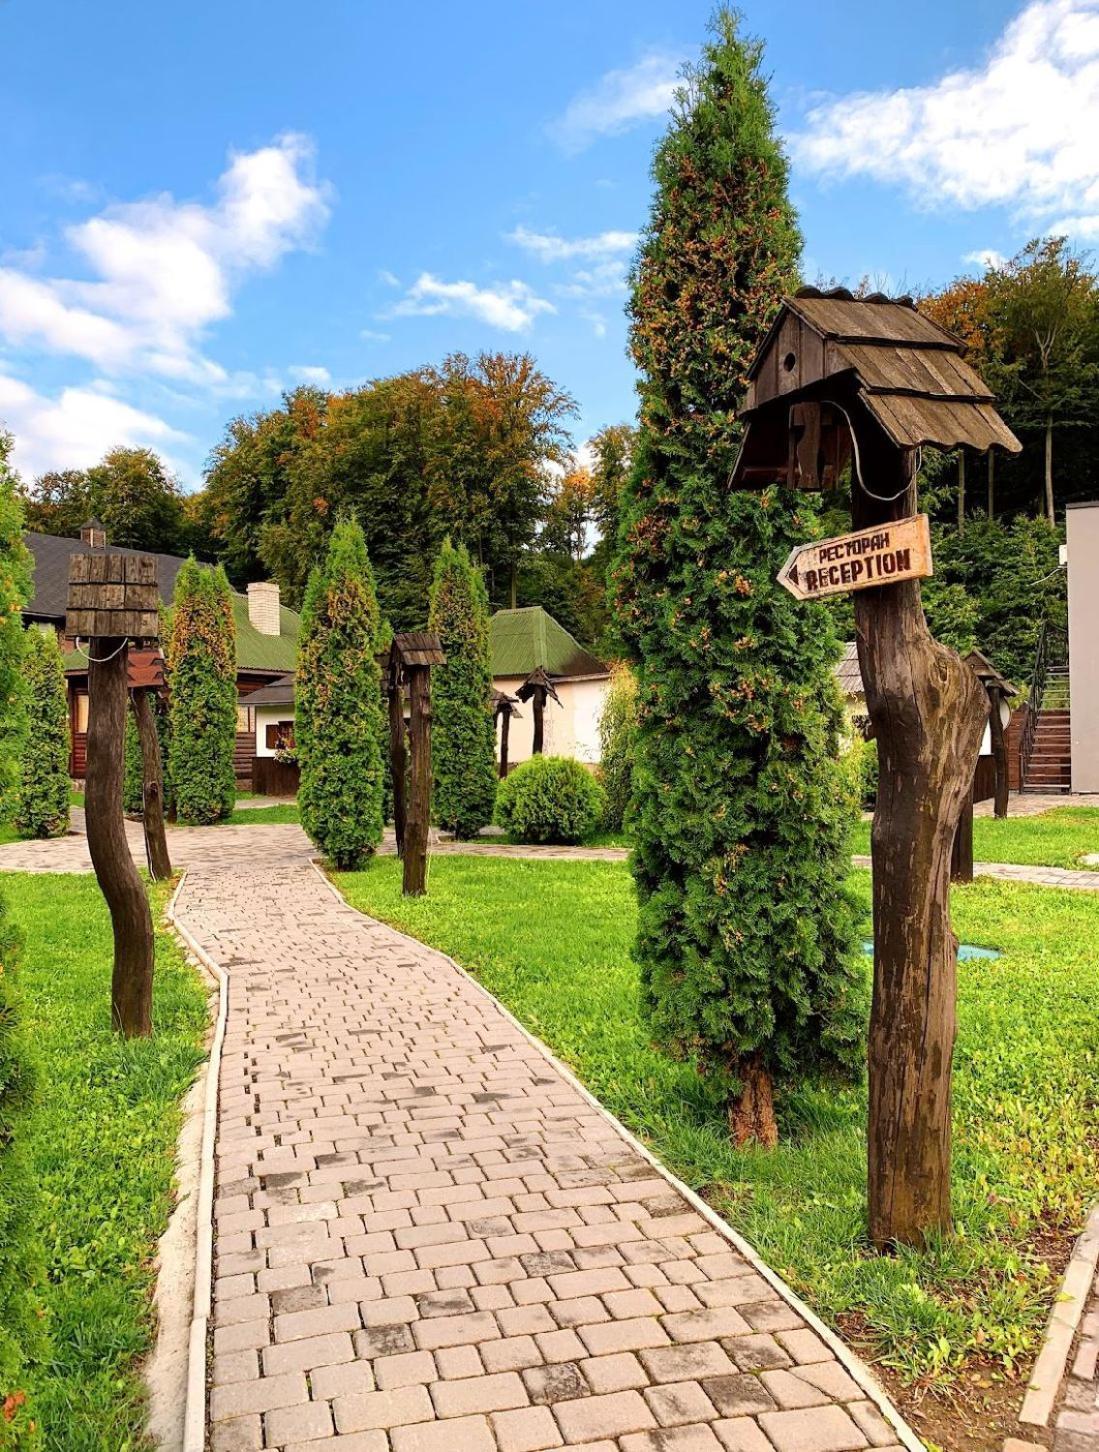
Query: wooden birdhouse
x,y
830,354
113,596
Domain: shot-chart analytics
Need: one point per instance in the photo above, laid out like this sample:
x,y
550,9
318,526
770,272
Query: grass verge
x,y
101,1138
1058,838
552,941
257,816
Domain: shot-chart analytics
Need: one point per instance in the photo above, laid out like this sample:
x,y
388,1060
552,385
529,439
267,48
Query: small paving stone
x,y
672,1439
603,1416
297,1424
818,1429
677,1403
528,1429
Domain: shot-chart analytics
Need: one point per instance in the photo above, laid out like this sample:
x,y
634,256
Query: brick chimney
x,y
263,607
94,534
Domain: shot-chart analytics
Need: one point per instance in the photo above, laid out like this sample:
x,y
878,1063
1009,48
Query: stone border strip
x,y
857,1368
194,1422
1049,1369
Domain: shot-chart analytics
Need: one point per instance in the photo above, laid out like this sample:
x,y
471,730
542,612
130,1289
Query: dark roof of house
x,y
275,693
419,648
525,640
255,651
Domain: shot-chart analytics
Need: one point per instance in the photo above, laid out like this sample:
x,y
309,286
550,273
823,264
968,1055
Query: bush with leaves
x,y
201,660
617,744
463,747
20,1260
133,769
43,793
549,799
339,721
747,935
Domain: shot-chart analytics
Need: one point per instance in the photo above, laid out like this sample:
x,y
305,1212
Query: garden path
x,y
430,1240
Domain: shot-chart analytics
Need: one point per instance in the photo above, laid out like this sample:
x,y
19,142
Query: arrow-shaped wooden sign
x,y
884,555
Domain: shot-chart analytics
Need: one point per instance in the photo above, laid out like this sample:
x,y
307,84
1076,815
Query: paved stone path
x,y
1077,1423
429,1241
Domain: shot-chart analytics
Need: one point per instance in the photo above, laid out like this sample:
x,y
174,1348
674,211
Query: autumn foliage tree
x,y
201,658
746,936
339,722
464,746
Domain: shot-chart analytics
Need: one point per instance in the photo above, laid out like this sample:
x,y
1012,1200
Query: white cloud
x,y
619,100
371,335
512,306
76,427
986,257
1018,130
606,279
162,271
548,247
310,373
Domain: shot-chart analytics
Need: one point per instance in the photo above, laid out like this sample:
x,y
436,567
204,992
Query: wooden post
x,y
132,980
398,756
961,855
999,749
538,706
419,795
505,722
156,843
928,711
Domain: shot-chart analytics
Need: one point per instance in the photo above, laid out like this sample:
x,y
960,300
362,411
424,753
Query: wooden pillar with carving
x,y
417,653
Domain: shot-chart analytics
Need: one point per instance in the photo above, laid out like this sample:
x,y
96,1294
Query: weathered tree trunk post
x,y
961,854
132,979
419,796
505,723
398,756
999,751
538,706
156,842
928,711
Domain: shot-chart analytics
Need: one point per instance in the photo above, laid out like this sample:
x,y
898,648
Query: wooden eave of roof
x,y
419,648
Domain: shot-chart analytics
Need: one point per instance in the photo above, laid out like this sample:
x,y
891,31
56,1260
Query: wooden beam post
x,y
999,748
419,796
538,706
398,756
132,979
505,722
961,855
928,711
156,842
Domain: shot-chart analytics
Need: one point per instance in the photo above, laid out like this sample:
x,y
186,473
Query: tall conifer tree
x,y
201,656
745,935
464,748
43,809
339,723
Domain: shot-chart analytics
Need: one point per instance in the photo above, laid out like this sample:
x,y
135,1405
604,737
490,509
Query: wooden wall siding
x,y
244,749
273,778
113,596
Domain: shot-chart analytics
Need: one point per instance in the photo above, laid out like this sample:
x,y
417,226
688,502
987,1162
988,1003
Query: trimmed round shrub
x,y
549,799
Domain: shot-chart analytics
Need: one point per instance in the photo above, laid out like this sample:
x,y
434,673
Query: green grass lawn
x,y
102,1140
257,816
552,940
1058,838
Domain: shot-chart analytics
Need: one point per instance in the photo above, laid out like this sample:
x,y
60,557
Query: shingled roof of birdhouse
x,y
910,373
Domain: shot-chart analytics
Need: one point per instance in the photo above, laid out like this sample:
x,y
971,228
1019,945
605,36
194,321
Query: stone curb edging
x,y
858,1369
1068,1308
194,1424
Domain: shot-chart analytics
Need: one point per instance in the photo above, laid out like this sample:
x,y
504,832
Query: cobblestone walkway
x,y
429,1241
1077,1423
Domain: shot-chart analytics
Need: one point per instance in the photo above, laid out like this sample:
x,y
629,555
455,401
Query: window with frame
x,y
279,736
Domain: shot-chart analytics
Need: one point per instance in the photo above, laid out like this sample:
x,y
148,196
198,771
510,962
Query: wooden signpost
x,y
113,601
870,557
411,658
503,709
537,689
868,381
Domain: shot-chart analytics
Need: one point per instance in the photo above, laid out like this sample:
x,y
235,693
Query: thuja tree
x,y
43,793
339,722
20,1323
746,937
464,747
201,657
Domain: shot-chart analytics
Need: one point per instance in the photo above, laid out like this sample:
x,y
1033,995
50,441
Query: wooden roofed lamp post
x,y
537,689
398,752
503,709
146,675
416,652
868,382
113,601
1000,693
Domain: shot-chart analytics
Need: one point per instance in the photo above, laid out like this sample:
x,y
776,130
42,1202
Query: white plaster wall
x,y
571,729
269,716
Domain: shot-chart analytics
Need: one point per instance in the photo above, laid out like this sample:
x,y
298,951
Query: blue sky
x,y
203,204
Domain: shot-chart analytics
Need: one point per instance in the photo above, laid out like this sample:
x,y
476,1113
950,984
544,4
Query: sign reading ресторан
x,y
884,555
